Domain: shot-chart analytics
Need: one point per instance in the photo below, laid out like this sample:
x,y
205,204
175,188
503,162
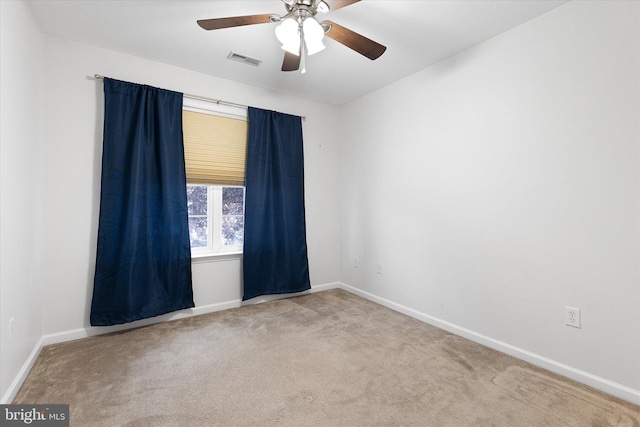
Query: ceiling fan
x,y
300,33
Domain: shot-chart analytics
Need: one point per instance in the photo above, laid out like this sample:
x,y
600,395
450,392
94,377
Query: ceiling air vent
x,y
244,59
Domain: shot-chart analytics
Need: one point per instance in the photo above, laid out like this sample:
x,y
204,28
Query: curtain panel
x,y
275,246
143,262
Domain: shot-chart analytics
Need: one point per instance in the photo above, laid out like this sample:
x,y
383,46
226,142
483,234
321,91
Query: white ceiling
x,y
417,34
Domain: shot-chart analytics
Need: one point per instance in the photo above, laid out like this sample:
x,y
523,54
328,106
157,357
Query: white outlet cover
x,y
572,317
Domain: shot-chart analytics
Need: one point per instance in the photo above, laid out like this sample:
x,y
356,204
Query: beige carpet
x,y
325,359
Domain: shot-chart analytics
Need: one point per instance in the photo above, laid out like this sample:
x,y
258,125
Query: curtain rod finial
x,y
98,77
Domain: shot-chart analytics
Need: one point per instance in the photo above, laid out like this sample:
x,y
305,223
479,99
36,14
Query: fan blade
x,y
355,41
339,4
291,62
234,21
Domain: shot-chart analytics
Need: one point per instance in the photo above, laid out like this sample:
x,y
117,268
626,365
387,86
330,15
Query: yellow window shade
x,y
215,148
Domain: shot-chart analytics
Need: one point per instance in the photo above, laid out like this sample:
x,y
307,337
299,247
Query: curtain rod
x,y
202,98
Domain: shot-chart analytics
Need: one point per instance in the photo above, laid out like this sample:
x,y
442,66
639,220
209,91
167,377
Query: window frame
x,y
215,239
215,247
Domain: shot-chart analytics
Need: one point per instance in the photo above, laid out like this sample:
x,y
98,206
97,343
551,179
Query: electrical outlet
x,y
379,268
572,317
356,262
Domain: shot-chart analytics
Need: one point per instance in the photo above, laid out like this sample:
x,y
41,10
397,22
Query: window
x,y
216,218
215,145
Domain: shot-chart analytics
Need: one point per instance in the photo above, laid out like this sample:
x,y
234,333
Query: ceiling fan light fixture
x,y
300,33
313,35
288,33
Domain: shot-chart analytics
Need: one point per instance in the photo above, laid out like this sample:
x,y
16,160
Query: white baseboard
x,y
599,383
79,333
195,311
13,389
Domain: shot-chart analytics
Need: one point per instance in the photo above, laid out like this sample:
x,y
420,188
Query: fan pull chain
x,y
303,56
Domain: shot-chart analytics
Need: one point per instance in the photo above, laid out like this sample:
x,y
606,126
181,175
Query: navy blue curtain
x,y
143,265
275,243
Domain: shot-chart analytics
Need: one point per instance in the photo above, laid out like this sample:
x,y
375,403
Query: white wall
x,y
73,146
21,113
502,184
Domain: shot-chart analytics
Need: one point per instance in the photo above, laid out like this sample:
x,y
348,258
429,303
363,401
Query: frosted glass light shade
x,y
288,33
313,35
323,7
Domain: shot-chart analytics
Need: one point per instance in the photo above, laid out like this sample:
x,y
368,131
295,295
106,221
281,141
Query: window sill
x,y
222,256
